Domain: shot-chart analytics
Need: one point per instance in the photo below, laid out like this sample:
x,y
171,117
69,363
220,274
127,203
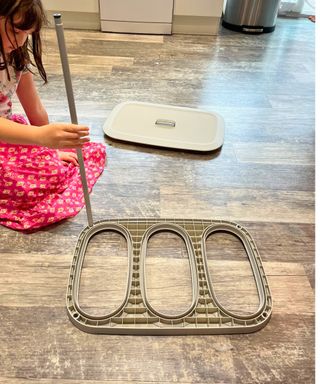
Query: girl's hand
x,y
62,135
68,157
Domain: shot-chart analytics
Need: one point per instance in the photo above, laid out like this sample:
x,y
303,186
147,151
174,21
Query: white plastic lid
x,y
165,126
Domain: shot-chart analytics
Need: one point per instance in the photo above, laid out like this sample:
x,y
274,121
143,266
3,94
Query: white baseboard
x,y
196,25
131,27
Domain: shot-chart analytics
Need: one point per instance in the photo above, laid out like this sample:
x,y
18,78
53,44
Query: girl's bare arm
x,y
30,100
54,135
40,132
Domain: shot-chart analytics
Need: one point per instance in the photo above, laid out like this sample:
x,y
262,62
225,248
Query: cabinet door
x,y
149,11
208,8
90,6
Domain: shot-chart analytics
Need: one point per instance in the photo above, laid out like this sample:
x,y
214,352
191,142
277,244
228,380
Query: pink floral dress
x,y
36,187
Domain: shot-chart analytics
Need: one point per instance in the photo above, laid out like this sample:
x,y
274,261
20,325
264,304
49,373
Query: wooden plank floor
x,y
262,178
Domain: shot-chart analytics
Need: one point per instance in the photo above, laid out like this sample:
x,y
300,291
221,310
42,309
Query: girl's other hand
x,y
68,157
62,135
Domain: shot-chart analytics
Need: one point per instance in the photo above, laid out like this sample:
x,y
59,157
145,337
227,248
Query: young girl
x,y
38,185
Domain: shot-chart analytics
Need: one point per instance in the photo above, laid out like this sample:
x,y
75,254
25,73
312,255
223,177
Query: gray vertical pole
x,y
72,109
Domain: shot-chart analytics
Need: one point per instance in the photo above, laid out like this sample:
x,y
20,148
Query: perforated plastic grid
x,y
136,316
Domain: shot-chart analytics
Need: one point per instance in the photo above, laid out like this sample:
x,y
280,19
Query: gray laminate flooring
x,y
263,178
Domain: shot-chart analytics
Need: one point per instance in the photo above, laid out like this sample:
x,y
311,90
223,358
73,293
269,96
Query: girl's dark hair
x,y
30,15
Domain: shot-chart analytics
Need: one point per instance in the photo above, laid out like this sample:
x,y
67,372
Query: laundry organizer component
x,y
135,315
72,109
165,126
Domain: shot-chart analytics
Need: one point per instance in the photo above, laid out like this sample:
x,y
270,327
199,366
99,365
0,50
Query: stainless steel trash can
x,y
251,16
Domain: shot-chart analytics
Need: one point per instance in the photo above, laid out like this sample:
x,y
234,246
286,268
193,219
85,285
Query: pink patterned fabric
x,y
37,188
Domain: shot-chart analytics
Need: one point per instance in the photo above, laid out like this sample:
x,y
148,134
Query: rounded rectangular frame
x,y
143,319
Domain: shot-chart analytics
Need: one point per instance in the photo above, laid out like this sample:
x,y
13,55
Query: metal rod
x,y
72,109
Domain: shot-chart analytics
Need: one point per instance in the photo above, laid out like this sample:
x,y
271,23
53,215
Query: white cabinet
x,y
89,6
136,16
205,8
140,16
199,17
78,14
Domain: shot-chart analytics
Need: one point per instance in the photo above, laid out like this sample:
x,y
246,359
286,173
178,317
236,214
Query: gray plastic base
x,y
136,316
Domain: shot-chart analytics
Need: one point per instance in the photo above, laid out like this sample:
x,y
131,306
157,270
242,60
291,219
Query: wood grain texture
x,y
263,178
